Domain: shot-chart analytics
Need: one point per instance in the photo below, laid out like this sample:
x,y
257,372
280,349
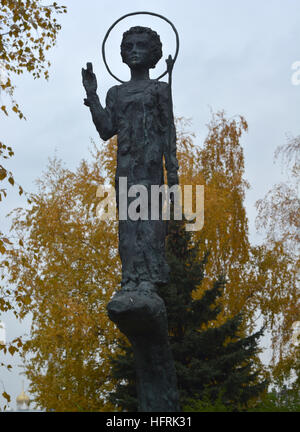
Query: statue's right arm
x,y
103,118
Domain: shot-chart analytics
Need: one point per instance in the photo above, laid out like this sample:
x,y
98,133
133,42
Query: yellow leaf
x,y
12,350
6,396
3,173
4,109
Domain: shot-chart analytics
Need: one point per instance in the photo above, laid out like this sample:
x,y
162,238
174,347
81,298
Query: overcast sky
x,y
234,55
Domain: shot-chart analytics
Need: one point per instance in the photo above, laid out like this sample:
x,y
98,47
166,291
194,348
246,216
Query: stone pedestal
x,y
142,317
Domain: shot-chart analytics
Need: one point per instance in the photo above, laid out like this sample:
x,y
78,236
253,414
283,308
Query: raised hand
x,y
89,79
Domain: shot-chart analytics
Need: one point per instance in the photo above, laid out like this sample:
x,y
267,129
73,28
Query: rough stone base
x,y
141,316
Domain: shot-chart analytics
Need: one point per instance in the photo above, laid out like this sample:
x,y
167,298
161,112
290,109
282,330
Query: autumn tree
x,y
66,269
27,30
278,218
262,279
279,210
220,167
6,298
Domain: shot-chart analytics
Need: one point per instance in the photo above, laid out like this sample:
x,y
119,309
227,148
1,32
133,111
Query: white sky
x,y
234,55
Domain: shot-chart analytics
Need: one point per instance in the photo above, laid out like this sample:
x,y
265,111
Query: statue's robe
x,y
138,112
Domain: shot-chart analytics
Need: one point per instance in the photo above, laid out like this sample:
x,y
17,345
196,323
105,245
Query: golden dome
x,y
23,398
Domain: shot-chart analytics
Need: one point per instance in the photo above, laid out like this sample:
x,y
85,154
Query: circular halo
x,y
138,13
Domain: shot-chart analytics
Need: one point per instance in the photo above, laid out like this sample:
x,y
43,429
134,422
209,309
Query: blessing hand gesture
x,y
89,79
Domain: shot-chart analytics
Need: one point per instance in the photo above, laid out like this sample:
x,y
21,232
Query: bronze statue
x,y
140,113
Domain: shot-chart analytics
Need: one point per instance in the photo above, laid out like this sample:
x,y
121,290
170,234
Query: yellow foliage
x,y
278,267
27,29
67,267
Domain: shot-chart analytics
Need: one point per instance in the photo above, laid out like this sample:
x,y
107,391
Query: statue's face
x,y
136,50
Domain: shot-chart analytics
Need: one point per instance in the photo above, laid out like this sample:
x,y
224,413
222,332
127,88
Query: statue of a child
x,y
139,113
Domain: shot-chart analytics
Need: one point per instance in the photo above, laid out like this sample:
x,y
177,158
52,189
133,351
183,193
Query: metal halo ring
x,y
138,13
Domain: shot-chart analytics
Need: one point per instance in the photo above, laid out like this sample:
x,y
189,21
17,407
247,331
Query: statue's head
x,y
141,46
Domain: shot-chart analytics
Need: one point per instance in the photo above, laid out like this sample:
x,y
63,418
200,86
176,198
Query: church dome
x,y
23,397
23,400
